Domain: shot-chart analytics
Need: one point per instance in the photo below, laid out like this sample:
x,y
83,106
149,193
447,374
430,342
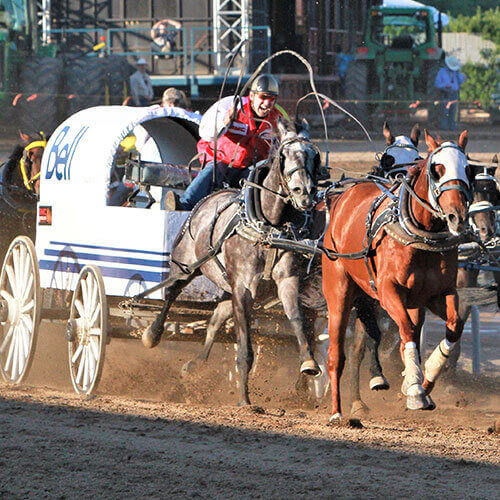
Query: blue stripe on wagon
x,y
110,272
112,258
166,254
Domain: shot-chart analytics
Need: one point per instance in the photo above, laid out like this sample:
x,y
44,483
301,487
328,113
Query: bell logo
x,y
61,154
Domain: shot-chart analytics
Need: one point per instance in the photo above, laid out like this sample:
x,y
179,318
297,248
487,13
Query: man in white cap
x,y
141,87
448,81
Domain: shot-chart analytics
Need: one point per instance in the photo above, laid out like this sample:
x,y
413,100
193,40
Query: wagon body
x,y
75,224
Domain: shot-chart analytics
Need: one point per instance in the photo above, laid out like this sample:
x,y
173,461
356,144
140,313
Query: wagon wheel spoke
x,y
92,361
81,366
27,290
7,339
6,295
20,349
79,308
28,322
12,279
15,354
93,294
25,336
16,269
95,315
25,264
77,353
11,350
85,297
94,345
28,306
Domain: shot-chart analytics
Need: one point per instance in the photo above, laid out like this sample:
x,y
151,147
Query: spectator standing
x,y
448,82
141,87
163,35
342,62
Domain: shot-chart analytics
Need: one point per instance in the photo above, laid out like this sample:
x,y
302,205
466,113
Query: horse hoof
x,y
243,404
379,383
359,408
189,367
150,339
430,405
336,419
417,402
310,367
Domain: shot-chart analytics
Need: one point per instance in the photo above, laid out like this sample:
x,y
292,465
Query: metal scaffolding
x,y
231,23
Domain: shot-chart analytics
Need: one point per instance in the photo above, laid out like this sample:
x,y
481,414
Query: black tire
x,y
84,83
356,85
41,76
432,93
117,72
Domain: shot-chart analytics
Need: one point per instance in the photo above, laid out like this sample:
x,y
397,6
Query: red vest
x,y
246,140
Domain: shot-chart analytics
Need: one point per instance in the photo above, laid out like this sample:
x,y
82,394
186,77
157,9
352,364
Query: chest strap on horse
x,y
28,183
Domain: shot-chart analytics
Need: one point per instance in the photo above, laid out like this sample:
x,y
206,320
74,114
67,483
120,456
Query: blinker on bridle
x,y
436,189
28,182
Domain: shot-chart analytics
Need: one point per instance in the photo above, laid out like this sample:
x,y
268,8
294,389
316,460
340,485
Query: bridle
x,y
438,187
25,160
396,168
286,177
477,207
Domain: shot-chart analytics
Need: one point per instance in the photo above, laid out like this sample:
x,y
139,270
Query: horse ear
x,y
430,141
415,134
24,137
304,128
280,125
389,138
462,140
495,160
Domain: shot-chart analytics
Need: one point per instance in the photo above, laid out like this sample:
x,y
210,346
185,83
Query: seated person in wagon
x,y
243,138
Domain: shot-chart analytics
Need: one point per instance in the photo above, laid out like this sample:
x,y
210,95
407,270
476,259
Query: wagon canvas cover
x,y
75,226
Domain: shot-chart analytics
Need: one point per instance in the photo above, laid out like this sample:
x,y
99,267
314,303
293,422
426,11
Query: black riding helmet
x,y
265,84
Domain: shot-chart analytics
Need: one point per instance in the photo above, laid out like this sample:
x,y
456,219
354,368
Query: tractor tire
x,y
432,94
84,78
41,81
117,73
356,85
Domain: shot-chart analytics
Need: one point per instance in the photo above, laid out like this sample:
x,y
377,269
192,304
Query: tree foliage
x,y
485,23
482,81
461,7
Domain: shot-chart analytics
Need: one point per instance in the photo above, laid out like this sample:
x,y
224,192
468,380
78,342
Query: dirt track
x,y
152,434
186,439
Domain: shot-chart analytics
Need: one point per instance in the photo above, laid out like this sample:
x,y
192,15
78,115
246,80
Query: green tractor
x,y
44,81
397,62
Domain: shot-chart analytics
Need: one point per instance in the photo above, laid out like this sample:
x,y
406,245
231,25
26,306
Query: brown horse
x,y
410,263
19,187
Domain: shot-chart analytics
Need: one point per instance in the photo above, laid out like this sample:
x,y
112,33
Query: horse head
x,y
448,181
299,164
486,194
31,161
400,150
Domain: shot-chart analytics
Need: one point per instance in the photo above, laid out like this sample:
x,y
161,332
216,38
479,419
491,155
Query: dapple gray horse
x,y
287,194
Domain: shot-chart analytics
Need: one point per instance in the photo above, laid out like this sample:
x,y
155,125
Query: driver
x,y
243,130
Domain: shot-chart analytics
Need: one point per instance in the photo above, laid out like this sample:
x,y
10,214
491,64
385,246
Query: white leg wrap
x,y
336,417
437,360
413,373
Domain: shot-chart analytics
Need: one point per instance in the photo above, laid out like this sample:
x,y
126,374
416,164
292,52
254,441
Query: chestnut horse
x,y
408,263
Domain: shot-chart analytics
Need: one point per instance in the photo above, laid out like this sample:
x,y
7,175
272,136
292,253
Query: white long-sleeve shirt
x,y
140,86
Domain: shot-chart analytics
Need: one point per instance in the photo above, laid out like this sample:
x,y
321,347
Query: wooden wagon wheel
x,y
20,309
87,330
